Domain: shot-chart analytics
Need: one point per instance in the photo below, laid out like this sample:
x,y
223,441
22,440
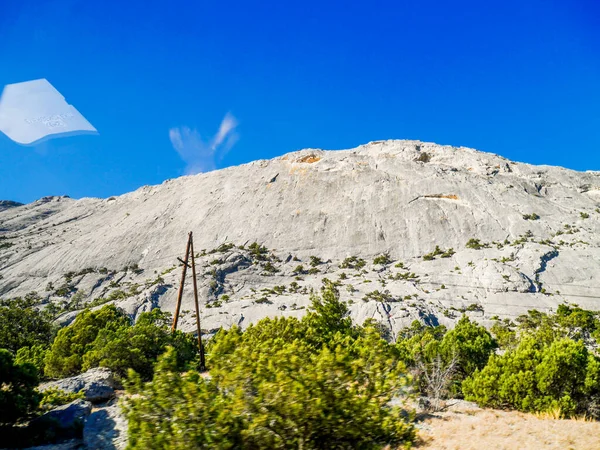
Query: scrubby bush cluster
x,y
319,382
30,350
542,362
316,382
439,252
108,338
353,262
18,395
540,376
383,259
546,364
459,352
23,325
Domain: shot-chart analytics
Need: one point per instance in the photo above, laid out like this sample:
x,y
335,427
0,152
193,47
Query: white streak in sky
x,y
201,155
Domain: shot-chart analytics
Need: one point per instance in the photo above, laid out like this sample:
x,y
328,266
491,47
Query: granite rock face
x,y
464,231
69,415
105,429
97,384
6,204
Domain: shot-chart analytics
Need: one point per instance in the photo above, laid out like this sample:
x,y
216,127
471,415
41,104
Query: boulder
x,y
67,416
98,384
105,428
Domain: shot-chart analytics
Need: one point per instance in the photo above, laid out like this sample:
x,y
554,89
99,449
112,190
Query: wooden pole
x,y
200,346
180,293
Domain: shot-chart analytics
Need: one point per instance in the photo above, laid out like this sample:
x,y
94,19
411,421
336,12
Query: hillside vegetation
x,y
316,382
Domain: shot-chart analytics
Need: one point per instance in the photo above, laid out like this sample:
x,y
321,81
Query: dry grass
x,y
492,429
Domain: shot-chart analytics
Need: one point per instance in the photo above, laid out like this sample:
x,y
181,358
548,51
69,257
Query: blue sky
x,y
517,78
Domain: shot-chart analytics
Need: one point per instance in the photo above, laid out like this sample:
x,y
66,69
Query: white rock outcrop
x,y
97,384
533,234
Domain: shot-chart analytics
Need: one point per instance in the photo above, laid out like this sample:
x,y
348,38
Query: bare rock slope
x,y
456,230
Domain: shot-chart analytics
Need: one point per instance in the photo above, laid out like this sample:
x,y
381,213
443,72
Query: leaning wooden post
x,y
200,346
180,293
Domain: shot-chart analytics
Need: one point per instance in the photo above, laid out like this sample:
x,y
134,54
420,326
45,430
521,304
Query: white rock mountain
x,y
533,232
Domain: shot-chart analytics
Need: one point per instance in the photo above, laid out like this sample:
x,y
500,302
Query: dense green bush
x,y
537,376
313,383
107,338
65,357
138,346
18,396
465,349
34,355
470,343
544,362
23,325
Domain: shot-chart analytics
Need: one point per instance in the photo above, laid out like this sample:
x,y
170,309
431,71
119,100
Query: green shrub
x,y
65,357
223,248
34,355
383,259
423,157
439,252
269,268
53,397
214,304
472,344
467,348
315,261
536,376
24,325
503,333
353,262
532,216
377,296
5,244
18,395
299,270
448,253
258,252
406,276
97,302
138,346
283,383
117,295
476,244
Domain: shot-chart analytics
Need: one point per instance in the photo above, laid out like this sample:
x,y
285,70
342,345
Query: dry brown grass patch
x,y
491,429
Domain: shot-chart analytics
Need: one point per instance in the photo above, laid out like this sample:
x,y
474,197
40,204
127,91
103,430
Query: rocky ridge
x,y
406,230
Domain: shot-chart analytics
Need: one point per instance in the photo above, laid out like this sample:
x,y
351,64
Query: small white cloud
x,y
201,155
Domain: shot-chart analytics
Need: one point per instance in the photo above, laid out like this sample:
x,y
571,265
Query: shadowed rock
x,y
97,384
